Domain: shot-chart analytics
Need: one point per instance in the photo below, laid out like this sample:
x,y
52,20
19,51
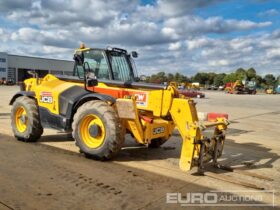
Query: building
x,y
15,67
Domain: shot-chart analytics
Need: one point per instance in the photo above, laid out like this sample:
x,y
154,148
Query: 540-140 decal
x,y
46,97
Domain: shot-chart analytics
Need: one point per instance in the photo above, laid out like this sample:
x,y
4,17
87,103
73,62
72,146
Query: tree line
x,y
212,78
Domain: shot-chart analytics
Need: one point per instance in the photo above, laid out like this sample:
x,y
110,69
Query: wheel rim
x,y
92,131
21,119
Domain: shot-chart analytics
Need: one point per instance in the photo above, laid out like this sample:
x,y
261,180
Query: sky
x,y
185,36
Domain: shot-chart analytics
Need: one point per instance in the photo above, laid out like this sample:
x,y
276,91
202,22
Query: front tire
x,y
97,130
25,118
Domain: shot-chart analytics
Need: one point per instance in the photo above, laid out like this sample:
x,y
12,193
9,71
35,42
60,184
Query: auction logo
x,y
223,198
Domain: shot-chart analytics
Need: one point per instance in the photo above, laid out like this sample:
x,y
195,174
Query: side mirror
x,y
91,80
134,54
79,58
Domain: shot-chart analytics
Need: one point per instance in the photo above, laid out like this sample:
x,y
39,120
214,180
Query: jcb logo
x,y
158,130
46,99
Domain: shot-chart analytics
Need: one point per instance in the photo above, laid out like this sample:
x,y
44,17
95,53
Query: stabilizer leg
x,y
184,115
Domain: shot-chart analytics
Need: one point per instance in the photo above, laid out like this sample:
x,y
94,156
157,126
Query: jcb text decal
x,y
158,130
46,97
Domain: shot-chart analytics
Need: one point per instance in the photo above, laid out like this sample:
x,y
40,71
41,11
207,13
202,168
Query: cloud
x,y
112,23
56,38
169,35
10,5
67,13
194,25
5,36
198,43
262,52
175,46
270,12
273,53
181,7
218,63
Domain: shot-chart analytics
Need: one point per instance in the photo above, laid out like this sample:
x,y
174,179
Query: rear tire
x,y
25,118
105,139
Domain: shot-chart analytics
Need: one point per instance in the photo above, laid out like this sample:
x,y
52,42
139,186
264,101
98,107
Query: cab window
x,y
120,67
94,61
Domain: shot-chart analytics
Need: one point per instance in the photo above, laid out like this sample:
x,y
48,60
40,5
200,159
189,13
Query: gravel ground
x,y
51,174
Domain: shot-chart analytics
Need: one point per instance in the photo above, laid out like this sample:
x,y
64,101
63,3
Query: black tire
x,y
34,130
113,139
156,143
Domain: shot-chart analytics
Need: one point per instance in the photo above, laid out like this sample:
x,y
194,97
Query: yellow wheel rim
x,y
92,131
21,119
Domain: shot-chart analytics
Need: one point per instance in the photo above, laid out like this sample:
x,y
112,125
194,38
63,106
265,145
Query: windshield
x,y
120,67
95,62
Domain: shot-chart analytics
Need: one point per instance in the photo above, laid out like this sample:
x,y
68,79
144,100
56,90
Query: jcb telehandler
x,y
103,101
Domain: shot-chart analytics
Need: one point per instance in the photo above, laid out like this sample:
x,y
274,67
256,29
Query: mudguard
x,y
69,101
30,94
71,98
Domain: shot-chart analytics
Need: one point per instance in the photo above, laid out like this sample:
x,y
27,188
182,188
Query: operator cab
x,y
106,64
111,66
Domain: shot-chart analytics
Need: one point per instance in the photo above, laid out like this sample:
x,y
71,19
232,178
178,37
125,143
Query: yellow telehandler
x,y
103,101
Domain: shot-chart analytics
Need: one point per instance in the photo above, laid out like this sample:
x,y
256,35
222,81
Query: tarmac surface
x,y
52,174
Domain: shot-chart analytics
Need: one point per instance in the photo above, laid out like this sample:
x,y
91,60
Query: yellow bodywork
x,y
154,118
48,84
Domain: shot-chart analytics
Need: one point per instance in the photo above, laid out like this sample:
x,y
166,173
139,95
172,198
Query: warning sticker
x,y
141,98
